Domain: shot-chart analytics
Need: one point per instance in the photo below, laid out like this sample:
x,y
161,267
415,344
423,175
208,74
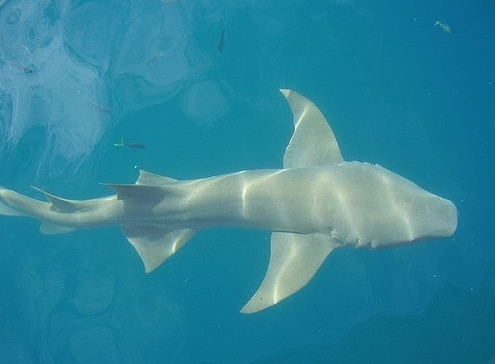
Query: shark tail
x,y
16,204
154,243
6,208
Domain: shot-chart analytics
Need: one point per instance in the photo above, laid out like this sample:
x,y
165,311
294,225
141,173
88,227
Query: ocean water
x,y
409,86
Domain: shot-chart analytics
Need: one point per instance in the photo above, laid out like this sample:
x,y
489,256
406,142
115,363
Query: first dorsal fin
x,y
313,142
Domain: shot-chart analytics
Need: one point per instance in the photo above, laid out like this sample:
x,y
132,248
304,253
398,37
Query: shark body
x,y
318,202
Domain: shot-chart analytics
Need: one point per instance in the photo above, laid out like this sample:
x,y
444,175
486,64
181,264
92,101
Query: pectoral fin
x,y
154,244
313,142
294,260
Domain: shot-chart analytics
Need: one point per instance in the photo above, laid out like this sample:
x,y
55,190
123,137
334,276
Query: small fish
x,y
129,145
222,38
444,27
155,58
29,69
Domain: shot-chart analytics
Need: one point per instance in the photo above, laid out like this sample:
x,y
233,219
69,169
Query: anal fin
x,y
154,243
294,260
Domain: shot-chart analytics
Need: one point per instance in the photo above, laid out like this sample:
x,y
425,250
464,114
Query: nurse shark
x,y
316,203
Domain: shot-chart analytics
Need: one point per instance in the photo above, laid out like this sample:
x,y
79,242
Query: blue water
x,y
398,90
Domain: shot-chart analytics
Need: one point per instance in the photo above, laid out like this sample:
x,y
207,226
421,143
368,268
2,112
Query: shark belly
x,y
274,200
357,204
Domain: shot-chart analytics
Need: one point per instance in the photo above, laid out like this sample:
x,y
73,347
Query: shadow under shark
x,y
316,203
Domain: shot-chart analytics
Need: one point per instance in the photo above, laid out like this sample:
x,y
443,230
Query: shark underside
x,y
318,202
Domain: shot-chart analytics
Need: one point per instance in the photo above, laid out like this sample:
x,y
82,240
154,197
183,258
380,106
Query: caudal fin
x,y
16,204
6,207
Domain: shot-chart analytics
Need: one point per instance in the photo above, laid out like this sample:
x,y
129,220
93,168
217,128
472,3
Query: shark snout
x,y
440,217
451,217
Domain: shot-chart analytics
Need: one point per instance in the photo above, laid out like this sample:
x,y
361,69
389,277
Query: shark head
x,y
367,206
423,214
357,204
436,217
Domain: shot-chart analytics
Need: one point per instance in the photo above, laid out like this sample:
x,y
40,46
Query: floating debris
x,y
446,28
94,104
129,145
222,38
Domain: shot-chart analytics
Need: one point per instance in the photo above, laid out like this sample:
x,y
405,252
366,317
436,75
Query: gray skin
x,y
317,203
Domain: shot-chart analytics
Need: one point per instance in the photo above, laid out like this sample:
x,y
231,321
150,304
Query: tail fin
x,y
16,204
5,207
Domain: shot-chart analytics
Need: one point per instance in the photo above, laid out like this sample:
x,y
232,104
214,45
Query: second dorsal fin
x,y
60,204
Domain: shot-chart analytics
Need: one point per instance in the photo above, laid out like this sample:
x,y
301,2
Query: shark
x,y
316,203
